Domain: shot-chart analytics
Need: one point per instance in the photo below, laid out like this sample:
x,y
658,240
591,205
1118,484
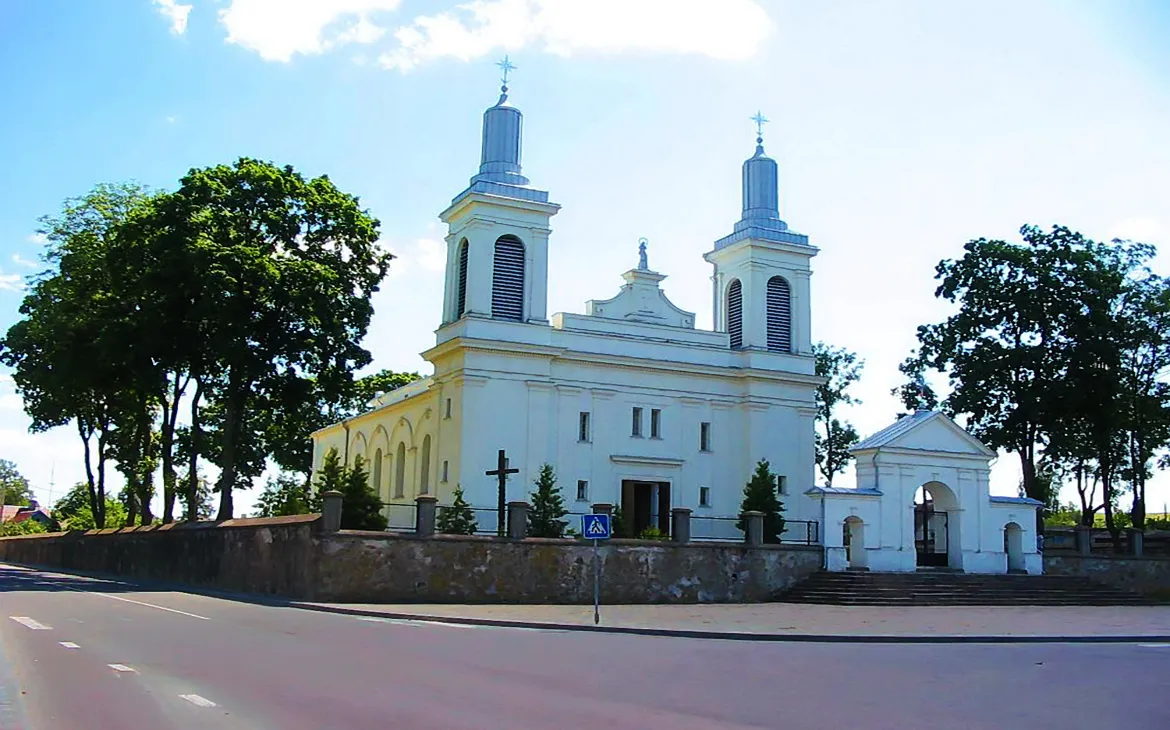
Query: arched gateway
x,y
923,497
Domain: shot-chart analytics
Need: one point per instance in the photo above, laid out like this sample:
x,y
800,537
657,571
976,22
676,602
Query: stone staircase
x,y
942,587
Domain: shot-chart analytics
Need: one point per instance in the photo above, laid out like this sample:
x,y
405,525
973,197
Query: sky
x,y
902,129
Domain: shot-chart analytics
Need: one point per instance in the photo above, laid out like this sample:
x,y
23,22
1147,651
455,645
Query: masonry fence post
x,y
331,511
1084,539
517,520
755,527
1134,541
680,524
424,515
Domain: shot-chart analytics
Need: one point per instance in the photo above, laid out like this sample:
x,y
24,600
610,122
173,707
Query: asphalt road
x,y
79,653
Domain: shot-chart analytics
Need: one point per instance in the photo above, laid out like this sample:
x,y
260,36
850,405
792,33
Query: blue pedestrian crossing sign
x,y
595,527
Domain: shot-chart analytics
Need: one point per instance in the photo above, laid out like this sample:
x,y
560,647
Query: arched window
x,y
461,294
779,315
735,313
376,472
400,471
424,479
508,279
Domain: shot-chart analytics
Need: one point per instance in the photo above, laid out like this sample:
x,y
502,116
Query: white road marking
x,y
121,668
1155,646
148,605
197,700
450,624
69,645
34,625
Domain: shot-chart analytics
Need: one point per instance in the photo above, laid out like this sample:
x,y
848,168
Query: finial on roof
x,y
642,263
760,121
506,66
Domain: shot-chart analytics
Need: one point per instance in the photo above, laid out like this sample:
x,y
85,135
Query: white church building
x,y
634,406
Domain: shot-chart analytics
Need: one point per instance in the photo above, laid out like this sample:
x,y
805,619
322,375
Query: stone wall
x,y
1150,575
377,567
291,557
267,556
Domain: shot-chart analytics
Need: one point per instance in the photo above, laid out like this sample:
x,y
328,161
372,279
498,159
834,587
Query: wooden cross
x,y
501,472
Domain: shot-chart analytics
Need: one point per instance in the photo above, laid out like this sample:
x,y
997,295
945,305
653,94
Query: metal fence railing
x,y
399,517
796,532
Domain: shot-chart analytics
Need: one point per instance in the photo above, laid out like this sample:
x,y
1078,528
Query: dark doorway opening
x,y
645,504
931,535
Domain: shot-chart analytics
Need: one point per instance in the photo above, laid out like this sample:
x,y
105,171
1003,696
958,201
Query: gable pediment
x,y
641,300
927,431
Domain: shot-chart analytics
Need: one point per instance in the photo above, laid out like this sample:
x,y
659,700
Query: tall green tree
x,y
840,369
762,494
14,488
546,517
69,351
290,265
361,507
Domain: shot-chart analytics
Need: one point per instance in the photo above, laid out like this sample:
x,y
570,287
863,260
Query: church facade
x,y
630,402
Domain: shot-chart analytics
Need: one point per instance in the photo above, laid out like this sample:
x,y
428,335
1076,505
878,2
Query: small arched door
x,y
854,538
1013,545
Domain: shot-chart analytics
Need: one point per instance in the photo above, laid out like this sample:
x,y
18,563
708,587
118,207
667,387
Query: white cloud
x,y
39,239
22,261
430,254
176,13
721,29
279,29
11,282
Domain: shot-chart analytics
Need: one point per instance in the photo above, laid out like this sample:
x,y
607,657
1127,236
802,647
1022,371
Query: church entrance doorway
x,y
931,530
644,505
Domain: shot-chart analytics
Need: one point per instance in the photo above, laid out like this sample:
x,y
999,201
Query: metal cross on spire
x,y
760,121
506,66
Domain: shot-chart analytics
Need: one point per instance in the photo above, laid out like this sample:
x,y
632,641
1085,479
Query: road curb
x,y
626,630
735,635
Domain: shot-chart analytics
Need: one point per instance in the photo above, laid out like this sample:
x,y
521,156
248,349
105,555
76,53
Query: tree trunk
x,y
227,477
193,472
1028,470
89,480
131,504
99,515
167,431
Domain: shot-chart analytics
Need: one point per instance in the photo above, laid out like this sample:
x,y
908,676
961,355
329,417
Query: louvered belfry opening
x,y
735,313
508,279
461,299
779,315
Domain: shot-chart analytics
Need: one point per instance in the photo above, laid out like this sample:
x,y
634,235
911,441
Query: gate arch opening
x,y
936,527
1013,545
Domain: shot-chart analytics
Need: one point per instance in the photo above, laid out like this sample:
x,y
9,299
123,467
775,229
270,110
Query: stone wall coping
x,y
574,542
253,522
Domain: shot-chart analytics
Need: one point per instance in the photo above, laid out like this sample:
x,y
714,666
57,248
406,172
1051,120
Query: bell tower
x,y
497,230
761,277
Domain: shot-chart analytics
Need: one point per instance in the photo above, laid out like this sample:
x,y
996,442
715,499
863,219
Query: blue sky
x,y
902,129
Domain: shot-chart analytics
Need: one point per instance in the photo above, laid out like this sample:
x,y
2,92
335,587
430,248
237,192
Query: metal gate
x,y
931,536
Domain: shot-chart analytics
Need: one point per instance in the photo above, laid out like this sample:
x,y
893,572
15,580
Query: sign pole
x,y
596,585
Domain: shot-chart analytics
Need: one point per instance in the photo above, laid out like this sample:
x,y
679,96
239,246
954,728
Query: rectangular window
x,y
636,429
704,436
655,423
447,413
783,484
444,470
704,496
583,427
582,490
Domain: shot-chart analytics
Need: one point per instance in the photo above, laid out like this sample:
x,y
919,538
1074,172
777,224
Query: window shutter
x,y
779,315
508,279
461,305
735,314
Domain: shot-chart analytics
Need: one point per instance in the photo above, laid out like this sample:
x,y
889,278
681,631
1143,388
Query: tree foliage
x,y
243,294
840,369
284,495
73,511
1057,353
24,527
547,512
458,518
762,494
361,507
14,488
